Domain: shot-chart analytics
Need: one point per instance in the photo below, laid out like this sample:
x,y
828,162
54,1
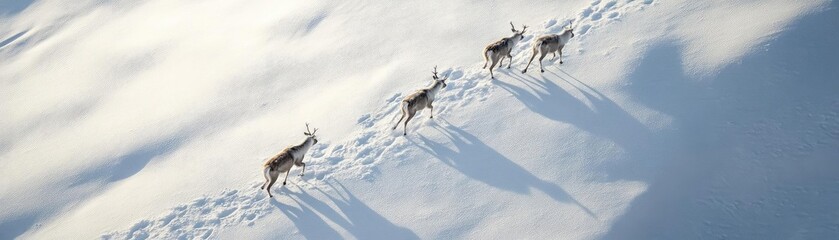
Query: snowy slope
x,y
668,120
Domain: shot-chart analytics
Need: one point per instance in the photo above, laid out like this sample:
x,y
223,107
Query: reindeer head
x,y
311,134
570,28
517,33
437,79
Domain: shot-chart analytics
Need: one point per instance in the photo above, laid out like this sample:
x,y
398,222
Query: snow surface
x,y
668,120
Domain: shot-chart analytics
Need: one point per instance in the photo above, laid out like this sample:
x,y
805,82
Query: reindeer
x,y
502,48
290,156
420,100
551,43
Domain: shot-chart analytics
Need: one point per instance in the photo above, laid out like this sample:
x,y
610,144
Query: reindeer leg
x,y
510,62
267,179
560,55
286,176
540,61
410,115
531,60
274,176
501,62
304,169
486,59
431,109
397,123
400,119
492,66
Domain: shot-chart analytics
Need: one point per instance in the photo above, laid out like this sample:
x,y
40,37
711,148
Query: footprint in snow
x,y
590,17
200,218
355,158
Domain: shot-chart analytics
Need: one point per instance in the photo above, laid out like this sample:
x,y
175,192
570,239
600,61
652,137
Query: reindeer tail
x,y
268,163
537,43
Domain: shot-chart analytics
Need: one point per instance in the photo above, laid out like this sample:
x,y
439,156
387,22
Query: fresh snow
x,y
668,120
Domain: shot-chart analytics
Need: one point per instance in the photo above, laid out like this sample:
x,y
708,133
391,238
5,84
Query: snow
x,y
668,119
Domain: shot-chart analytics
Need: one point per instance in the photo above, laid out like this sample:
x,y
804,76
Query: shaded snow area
x,y
667,120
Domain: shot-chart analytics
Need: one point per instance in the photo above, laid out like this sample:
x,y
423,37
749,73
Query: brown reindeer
x,y
500,49
420,100
283,161
551,43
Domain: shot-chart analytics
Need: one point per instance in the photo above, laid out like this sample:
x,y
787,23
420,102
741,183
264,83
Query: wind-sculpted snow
x,y
203,217
358,157
669,119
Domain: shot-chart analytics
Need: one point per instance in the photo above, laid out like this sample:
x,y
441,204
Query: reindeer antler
x,y
523,28
513,26
437,77
308,132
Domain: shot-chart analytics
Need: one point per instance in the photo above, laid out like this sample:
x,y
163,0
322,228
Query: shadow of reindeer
x,y
594,113
351,214
475,159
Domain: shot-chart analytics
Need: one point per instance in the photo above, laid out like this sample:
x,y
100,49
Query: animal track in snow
x,y
357,157
609,5
612,10
376,141
597,15
200,218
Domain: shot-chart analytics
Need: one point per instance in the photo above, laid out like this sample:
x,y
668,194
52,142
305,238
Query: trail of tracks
x,y
359,156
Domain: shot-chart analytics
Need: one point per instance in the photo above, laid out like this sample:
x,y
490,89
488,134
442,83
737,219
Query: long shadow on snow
x,y
11,228
121,168
12,7
604,118
306,220
361,221
128,164
757,143
12,38
479,161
